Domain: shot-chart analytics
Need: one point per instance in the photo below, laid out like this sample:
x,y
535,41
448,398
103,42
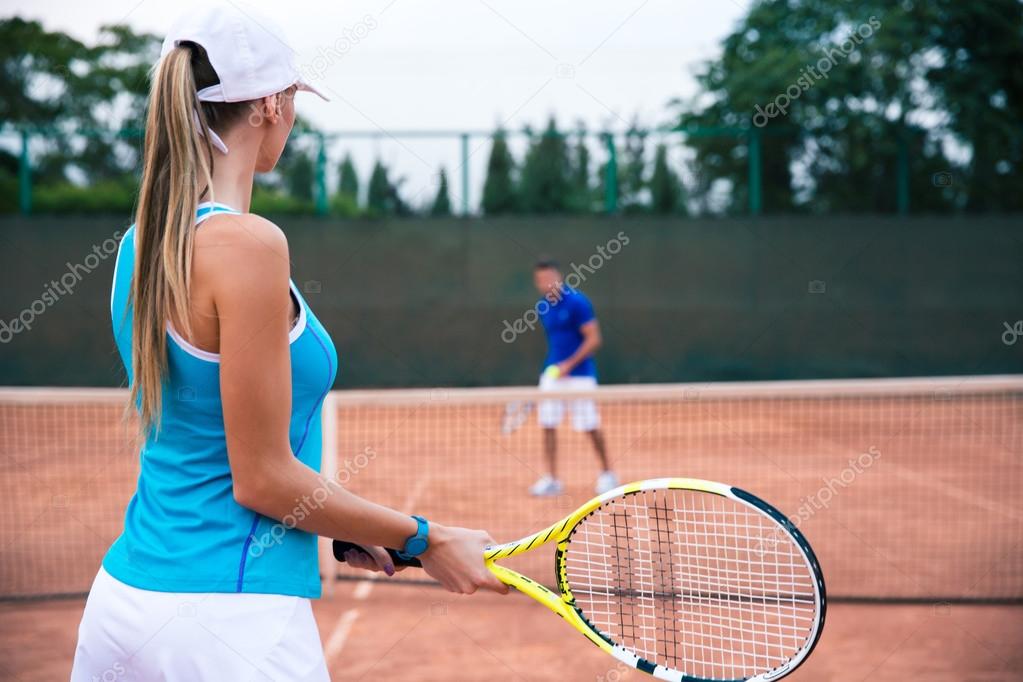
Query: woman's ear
x,y
271,106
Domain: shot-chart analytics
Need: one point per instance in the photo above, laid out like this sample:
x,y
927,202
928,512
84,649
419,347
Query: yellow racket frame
x,y
563,603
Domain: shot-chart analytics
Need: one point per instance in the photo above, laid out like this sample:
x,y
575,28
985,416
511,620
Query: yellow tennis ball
x,y
552,372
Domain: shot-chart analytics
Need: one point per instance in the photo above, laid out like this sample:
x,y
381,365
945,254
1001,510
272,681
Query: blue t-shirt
x,y
561,322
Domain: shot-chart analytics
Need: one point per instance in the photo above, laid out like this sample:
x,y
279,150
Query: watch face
x,y
415,546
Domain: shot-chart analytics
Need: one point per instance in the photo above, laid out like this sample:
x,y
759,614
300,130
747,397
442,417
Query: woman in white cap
x,y
228,367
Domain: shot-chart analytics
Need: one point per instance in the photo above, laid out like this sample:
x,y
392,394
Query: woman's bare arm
x,y
245,260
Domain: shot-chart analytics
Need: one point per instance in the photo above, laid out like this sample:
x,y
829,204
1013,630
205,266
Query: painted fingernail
x,y
389,569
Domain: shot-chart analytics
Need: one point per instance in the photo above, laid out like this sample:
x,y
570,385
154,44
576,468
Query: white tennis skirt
x,y
133,635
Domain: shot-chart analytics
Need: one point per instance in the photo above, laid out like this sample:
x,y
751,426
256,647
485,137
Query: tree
x,y
979,82
665,185
830,87
499,192
345,202
383,197
632,170
30,54
545,173
300,175
580,188
378,196
441,203
604,170
55,82
348,179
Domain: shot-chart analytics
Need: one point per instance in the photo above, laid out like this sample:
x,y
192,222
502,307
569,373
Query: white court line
x,y
339,636
362,590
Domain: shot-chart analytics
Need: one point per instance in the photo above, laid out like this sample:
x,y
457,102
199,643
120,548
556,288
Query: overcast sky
x,y
403,65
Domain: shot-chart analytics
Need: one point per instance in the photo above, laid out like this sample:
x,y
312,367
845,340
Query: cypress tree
x,y
665,185
442,202
499,191
545,184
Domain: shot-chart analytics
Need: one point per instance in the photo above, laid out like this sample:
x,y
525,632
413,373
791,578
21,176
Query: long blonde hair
x,y
177,169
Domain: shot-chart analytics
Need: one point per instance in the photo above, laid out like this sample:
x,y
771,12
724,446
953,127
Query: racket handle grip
x,y
340,547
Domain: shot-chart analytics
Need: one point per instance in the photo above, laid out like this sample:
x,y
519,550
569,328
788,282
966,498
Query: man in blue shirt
x,y
573,335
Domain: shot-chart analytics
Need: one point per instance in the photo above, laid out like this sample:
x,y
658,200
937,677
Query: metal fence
x,y
464,141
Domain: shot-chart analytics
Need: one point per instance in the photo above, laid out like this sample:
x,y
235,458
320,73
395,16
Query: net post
x,y
465,173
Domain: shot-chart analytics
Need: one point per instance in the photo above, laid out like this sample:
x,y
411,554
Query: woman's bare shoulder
x,y
240,247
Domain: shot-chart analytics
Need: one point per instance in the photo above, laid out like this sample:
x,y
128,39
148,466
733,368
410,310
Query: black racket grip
x,y
340,547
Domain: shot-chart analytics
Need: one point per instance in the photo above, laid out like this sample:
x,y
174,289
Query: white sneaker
x,y
608,480
547,486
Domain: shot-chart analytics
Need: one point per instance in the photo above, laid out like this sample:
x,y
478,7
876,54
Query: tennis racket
x,y
515,415
685,579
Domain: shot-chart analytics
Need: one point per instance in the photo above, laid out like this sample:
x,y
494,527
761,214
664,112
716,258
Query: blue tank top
x,y
183,529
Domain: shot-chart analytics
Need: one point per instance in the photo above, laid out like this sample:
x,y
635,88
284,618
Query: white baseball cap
x,y
248,51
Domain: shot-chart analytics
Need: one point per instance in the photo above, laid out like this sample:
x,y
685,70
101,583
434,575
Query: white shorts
x,y
133,635
584,412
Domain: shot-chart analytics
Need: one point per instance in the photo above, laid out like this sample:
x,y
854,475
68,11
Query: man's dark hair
x,y
547,263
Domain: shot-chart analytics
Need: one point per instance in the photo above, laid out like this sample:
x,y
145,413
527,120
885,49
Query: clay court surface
x,y
903,497
422,633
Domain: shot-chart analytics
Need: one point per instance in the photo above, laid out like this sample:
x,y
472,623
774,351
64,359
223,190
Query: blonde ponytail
x,y
177,170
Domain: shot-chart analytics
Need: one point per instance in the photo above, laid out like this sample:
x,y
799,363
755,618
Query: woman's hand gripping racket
x,y
684,579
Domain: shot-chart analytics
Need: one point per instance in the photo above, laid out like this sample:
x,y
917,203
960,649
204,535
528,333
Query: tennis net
x,y
907,488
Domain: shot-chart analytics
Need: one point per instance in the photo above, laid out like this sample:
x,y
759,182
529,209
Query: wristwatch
x,y
418,543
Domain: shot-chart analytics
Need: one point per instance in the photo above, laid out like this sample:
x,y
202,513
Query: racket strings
x,y
694,582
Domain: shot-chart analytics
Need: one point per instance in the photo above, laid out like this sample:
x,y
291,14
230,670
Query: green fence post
x,y
25,176
465,174
755,178
611,175
321,176
902,175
